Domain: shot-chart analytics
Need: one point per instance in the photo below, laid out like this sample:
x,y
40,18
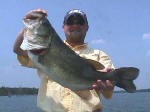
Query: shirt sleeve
x,y
105,60
26,61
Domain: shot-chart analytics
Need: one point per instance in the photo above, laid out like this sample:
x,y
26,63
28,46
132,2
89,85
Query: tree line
x,y
7,91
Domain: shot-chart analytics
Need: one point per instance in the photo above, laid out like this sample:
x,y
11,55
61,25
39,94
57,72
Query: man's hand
x,y
37,13
103,85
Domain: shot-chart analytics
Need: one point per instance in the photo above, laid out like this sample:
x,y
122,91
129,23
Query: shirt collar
x,y
77,47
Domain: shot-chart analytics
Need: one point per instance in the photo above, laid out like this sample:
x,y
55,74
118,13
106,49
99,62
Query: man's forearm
x,y
108,93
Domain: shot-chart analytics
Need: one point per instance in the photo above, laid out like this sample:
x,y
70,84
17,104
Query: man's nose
x,y
75,26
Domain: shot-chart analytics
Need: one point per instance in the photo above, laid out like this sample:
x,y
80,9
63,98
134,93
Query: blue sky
x,y
120,28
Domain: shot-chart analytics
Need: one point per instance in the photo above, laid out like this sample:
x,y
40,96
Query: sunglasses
x,y
75,19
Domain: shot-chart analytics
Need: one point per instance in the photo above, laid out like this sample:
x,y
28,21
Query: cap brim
x,y
75,14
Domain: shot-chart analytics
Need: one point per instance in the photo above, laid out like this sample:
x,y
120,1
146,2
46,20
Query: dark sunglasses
x,y
75,19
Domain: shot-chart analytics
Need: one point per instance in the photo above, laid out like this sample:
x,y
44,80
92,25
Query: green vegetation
x,y
6,91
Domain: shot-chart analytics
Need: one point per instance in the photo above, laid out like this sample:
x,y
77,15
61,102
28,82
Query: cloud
x,y
99,41
146,36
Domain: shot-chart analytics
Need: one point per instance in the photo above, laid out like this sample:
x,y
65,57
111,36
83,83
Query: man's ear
x,y
87,27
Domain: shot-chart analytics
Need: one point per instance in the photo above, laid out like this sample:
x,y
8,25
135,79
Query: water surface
x,y
121,102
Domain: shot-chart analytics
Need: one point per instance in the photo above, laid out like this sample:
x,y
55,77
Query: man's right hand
x,y
34,14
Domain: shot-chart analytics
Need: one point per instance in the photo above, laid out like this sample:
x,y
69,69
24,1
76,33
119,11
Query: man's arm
x,y
107,87
21,54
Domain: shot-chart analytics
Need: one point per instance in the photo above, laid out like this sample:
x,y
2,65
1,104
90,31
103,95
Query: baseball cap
x,y
75,16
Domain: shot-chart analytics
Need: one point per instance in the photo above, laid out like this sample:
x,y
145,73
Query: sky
x,y
121,28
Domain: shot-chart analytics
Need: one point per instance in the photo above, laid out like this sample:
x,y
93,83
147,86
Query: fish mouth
x,y
39,51
33,38
29,45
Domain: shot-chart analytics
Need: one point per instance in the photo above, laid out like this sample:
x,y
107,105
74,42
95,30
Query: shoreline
x,y
9,91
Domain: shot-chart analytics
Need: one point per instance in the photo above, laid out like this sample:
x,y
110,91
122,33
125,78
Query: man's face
x,y
75,30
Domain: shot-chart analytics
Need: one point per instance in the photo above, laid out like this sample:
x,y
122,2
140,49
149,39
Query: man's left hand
x,y
104,85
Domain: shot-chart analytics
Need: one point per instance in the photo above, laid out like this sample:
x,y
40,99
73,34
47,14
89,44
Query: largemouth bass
x,y
62,64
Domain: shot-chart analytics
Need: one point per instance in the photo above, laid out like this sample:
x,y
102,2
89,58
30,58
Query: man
x,y
52,97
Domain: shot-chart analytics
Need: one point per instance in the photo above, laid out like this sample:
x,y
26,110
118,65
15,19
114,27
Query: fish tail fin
x,y
124,78
128,85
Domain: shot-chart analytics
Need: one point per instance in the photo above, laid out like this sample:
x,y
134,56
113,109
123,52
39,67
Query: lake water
x,y
121,102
